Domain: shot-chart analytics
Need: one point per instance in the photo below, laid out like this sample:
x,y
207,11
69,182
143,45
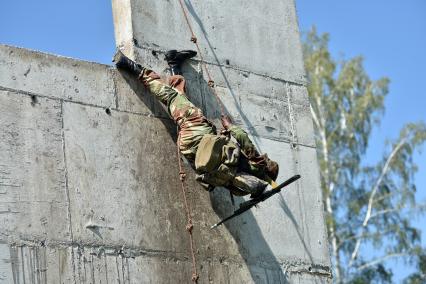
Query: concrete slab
x,y
268,118
55,76
303,126
265,43
32,171
35,264
6,272
311,204
117,169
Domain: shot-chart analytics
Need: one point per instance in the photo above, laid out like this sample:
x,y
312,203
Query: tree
x,y
367,207
418,277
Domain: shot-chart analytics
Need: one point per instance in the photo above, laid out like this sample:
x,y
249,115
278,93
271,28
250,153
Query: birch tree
x,y
369,208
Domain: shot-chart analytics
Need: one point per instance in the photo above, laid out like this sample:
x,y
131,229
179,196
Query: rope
x,y
203,63
188,209
182,174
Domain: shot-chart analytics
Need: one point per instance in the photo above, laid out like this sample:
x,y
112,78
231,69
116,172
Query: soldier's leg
x,y
191,120
159,88
193,125
178,82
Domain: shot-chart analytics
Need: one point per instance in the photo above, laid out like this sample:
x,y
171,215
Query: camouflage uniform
x,y
194,126
192,123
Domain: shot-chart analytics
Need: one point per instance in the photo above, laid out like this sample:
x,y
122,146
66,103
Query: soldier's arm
x,y
243,140
241,136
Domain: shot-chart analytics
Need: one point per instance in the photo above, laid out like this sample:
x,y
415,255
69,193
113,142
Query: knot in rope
x,y
189,227
194,277
182,175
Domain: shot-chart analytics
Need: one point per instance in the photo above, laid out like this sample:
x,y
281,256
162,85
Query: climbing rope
x,y
189,225
203,63
182,174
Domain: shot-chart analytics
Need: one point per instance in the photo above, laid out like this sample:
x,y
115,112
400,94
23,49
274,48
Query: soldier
x,y
229,159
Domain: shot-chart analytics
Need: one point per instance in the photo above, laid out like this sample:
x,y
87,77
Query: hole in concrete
x,y
108,111
154,53
34,100
310,269
135,41
227,62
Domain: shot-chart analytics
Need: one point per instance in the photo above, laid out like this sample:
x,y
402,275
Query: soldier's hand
x,y
224,132
226,121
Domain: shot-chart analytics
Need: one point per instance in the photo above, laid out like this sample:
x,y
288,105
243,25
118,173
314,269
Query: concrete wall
x,y
89,186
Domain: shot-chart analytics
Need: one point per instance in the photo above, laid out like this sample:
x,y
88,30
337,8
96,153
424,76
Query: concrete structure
x,y
89,186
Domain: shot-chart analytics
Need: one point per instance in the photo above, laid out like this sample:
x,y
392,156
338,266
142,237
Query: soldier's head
x,y
272,169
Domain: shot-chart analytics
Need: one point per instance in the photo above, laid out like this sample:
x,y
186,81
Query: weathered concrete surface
x,y
255,59
55,76
260,38
89,186
32,180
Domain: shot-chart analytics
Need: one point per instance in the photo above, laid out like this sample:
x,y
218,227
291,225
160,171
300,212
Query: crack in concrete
x,y
68,205
294,266
9,185
9,211
113,80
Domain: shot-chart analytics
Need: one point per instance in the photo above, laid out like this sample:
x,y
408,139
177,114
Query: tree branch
x,y
398,208
371,199
315,118
381,259
389,210
365,236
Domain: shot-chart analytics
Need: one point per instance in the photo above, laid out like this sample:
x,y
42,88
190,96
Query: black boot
x,y
175,59
123,62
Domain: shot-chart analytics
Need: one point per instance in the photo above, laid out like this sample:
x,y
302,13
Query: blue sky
x,y
390,34
80,28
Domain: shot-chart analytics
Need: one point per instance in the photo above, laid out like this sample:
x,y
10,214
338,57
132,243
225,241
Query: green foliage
x,y
418,277
375,274
367,206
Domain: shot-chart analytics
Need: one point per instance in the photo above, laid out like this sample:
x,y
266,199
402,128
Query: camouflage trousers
x,y
193,125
